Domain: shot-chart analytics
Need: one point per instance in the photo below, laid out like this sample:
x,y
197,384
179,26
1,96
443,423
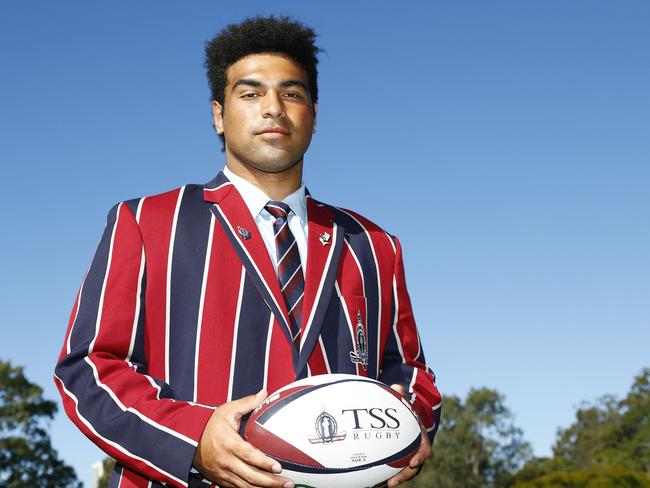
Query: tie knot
x,y
279,210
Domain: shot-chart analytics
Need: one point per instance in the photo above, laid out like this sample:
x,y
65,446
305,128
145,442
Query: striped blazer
x,y
181,311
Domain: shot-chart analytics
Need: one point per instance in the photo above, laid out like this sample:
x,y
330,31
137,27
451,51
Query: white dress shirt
x,y
256,200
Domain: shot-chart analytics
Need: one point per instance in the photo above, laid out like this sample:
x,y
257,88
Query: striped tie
x,y
290,274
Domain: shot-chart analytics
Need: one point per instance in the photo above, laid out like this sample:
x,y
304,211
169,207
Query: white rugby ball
x,y
336,430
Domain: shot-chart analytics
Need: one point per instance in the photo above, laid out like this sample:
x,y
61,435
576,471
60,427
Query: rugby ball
x,y
335,430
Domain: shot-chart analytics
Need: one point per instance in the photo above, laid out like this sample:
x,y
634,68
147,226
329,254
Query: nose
x,y
272,105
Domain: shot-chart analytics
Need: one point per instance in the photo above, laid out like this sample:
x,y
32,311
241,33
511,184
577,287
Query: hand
x,y
223,457
421,455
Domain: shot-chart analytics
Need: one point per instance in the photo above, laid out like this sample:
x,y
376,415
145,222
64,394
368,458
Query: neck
x,y
275,185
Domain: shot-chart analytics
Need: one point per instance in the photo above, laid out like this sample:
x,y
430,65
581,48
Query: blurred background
x,y
505,143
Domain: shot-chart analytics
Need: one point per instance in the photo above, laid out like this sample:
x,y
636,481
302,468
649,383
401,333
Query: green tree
x,y
583,444
108,465
609,440
477,444
26,454
594,477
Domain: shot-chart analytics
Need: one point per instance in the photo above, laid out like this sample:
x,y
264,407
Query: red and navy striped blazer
x,y
179,313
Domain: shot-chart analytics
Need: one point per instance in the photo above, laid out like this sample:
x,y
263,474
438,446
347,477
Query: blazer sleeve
x,y
102,374
403,359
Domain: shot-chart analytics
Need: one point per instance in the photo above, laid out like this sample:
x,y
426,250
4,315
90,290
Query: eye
x,y
249,95
293,95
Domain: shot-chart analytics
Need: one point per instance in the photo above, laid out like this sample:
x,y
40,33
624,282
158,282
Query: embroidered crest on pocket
x,y
360,353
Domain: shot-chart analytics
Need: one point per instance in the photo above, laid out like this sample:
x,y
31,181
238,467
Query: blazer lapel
x,y
324,245
232,213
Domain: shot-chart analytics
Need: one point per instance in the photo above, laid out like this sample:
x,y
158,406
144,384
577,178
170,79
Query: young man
x,y
211,295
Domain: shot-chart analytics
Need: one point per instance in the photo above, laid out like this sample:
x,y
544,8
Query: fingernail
x,y
276,468
288,484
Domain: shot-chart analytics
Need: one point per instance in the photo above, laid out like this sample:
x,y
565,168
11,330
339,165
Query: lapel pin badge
x,y
243,233
324,238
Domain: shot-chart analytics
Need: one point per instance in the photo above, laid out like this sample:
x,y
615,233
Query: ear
x,y
217,116
315,110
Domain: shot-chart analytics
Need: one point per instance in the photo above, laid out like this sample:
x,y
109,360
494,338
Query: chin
x,y
268,166
275,161
269,159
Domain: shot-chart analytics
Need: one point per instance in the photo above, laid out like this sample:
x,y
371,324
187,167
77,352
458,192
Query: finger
x,y
233,481
257,477
419,457
401,477
227,484
423,452
254,457
248,404
236,409
399,389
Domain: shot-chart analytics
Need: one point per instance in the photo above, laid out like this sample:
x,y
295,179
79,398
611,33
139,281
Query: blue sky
x,y
506,143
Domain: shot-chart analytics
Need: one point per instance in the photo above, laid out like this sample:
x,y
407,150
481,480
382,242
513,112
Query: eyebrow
x,y
259,84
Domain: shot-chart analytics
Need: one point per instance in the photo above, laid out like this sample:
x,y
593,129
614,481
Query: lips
x,y
274,130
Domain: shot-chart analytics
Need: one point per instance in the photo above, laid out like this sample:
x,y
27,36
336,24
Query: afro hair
x,y
255,35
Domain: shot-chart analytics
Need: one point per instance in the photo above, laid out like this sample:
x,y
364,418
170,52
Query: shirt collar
x,y
256,199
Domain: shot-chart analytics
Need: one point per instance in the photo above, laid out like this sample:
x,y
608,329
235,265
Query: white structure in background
x,y
98,472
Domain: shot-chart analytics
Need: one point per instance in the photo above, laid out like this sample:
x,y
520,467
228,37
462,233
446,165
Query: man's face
x,y
266,92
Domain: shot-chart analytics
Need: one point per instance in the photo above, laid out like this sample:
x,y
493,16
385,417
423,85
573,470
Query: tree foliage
x,y
607,445
108,463
477,444
27,457
595,477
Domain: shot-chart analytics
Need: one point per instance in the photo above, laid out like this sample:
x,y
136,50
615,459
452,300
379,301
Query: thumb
x,y
399,389
248,404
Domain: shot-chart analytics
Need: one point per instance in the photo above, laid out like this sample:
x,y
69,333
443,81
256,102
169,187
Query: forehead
x,y
265,67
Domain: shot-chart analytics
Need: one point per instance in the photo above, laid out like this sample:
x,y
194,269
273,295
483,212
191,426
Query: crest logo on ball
x,y
326,430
